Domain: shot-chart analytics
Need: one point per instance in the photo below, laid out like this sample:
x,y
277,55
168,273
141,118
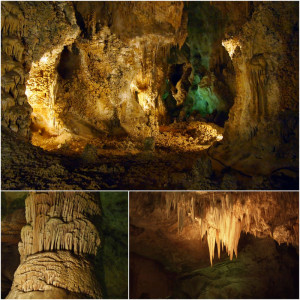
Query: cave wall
x,y
113,255
14,106
117,74
23,46
12,221
86,71
262,40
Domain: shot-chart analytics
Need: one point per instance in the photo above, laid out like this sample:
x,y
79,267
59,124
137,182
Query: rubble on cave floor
x,y
177,137
26,167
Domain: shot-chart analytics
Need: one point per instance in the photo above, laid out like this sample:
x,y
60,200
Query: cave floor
x,y
117,164
29,167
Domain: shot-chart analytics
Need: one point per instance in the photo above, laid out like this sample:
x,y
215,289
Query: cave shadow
x,y
99,259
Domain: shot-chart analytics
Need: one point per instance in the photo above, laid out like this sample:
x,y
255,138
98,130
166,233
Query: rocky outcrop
x,y
55,245
262,39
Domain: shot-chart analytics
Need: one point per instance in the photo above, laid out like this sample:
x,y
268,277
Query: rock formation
x,y
116,75
222,217
178,235
23,46
260,39
55,247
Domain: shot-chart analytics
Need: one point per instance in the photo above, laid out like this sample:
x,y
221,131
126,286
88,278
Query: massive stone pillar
x,y
57,247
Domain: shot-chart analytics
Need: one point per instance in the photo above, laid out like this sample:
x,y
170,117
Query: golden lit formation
x,y
221,217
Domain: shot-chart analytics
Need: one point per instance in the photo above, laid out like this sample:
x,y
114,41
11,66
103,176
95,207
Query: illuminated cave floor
x,y
27,167
179,137
263,269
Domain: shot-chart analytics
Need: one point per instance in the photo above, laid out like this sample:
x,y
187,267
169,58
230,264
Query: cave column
x,y
57,246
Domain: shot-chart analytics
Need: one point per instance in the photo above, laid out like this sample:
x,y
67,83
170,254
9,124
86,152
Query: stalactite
x,y
59,222
223,216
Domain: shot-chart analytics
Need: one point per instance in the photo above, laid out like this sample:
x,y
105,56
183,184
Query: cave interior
x,y
205,91
64,245
214,245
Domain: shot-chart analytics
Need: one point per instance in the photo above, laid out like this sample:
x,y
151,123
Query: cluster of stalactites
x,y
65,205
215,217
222,227
60,221
223,216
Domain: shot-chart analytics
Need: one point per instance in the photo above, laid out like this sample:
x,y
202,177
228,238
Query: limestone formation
x,y
222,217
20,28
48,271
177,236
113,75
259,52
55,246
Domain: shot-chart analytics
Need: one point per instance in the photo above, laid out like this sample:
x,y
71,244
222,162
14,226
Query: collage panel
x,y
150,95
62,245
214,245
186,113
